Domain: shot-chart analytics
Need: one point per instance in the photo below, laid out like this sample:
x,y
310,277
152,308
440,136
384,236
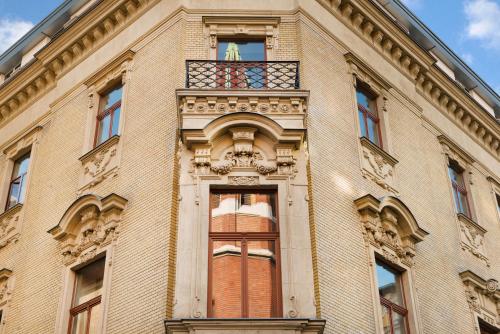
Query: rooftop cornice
x,y
380,31
67,50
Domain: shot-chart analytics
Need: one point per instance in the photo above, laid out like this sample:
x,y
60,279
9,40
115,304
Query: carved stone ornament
x,y
377,165
364,73
100,163
6,285
244,180
389,226
452,151
90,224
472,237
10,222
483,297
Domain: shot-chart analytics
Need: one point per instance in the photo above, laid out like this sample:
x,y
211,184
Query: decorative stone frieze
x,y
216,27
77,43
483,297
10,222
248,326
6,286
390,227
472,237
378,165
88,225
99,164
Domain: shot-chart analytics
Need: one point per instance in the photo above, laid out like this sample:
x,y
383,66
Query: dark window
x,y
497,196
17,188
392,300
460,196
486,328
108,117
86,312
242,64
369,121
244,263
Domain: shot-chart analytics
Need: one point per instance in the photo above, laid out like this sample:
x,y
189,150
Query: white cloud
x,y
483,22
468,58
11,30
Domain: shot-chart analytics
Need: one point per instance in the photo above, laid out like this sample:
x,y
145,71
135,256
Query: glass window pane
x,y
103,133
389,284
226,279
95,319
21,166
112,97
243,212
386,320
463,208
79,323
398,323
364,133
261,264
89,282
373,131
116,121
252,50
14,193
362,99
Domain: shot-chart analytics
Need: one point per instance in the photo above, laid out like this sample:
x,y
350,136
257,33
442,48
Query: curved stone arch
x,y
90,222
390,226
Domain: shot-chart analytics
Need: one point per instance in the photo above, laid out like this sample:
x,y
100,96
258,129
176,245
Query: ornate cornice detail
x,y
389,226
378,165
455,152
418,65
483,297
90,224
361,71
76,43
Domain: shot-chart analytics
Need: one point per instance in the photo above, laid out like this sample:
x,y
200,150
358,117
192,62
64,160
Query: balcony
x,y
262,75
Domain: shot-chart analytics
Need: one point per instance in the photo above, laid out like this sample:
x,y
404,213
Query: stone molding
x,y
390,227
10,225
99,164
454,152
250,326
363,72
472,237
16,148
88,225
246,26
77,42
5,286
378,165
483,297
418,65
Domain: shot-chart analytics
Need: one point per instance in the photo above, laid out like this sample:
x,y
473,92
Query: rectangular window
x,y
244,263
369,121
17,187
108,117
497,197
85,313
392,300
241,64
460,196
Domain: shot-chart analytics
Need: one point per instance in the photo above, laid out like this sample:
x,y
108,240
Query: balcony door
x,y
241,64
244,260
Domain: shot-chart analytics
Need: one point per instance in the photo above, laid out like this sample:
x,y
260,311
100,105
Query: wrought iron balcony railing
x,y
211,74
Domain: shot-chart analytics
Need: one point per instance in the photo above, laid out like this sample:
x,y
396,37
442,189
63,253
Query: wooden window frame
x,y
459,189
102,113
393,307
22,177
244,237
368,113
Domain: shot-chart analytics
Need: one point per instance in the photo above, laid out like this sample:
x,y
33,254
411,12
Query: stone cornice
x,y
366,20
67,50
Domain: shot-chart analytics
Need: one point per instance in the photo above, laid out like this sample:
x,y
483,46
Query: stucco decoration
x,y
89,224
389,226
10,225
378,165
6,286
472,238
483,297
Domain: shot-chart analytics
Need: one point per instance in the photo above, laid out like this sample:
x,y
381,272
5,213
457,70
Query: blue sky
x,y
470,27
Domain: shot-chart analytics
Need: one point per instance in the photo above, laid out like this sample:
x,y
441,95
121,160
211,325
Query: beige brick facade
x,y
156,256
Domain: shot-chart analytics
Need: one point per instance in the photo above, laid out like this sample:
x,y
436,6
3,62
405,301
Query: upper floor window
x,y
17,187
244,262
108,117
85,313
459,188
392,300
369,121
497,197
241,50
